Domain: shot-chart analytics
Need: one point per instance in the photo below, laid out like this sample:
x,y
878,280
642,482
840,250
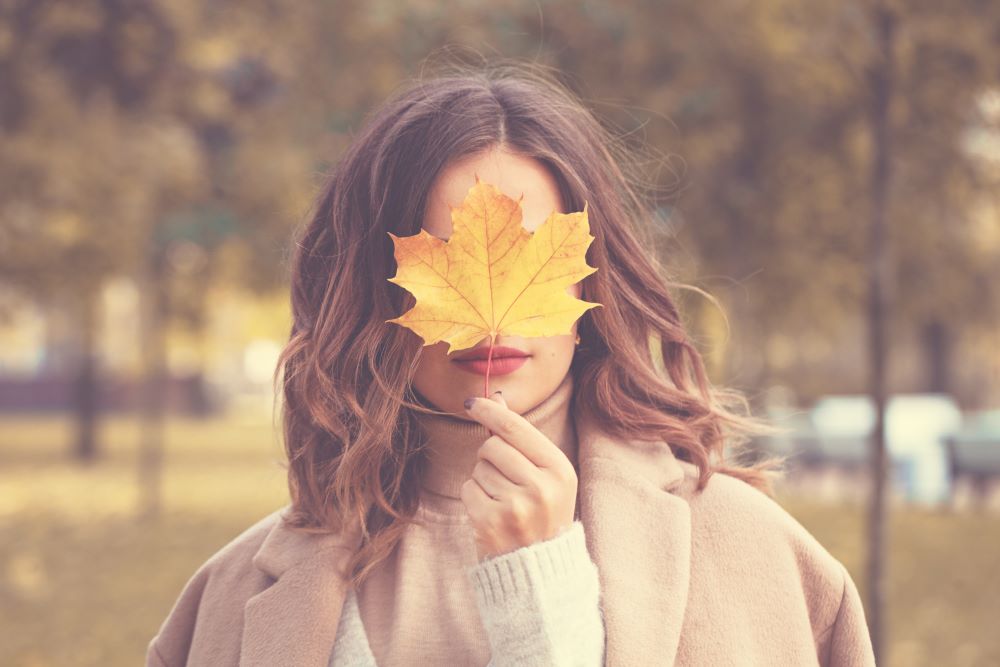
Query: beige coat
x,y
724,577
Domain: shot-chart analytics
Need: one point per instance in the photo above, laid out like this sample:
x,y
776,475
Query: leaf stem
x,y
489,365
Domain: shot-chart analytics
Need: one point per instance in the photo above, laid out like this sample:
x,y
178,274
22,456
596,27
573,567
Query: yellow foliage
x,y
492,276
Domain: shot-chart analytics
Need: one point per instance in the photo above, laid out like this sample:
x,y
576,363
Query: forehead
x,y
513,174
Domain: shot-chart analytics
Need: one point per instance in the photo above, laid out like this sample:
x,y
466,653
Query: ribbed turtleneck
x,y
418,606
453,443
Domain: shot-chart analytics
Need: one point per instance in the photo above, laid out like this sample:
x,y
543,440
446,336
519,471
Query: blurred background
x,y
828,171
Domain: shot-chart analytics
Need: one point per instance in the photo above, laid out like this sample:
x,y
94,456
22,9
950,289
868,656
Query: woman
x,y
582,515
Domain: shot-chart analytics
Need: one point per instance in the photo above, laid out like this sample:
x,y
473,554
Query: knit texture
x,y
351,647
433,601
540,605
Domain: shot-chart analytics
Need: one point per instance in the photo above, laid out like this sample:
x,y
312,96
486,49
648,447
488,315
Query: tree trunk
x,y
936,352
879,274
154,308
85,383
746,207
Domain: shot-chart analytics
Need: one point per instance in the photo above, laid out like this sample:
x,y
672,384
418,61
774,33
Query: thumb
x,y
498,397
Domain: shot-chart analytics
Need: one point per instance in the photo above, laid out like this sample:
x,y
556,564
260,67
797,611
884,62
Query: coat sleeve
x,y
847,642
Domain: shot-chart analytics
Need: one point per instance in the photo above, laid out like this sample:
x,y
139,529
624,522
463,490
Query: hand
x,y
523,487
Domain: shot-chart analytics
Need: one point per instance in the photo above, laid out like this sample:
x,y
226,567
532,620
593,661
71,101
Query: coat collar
x,y
638,533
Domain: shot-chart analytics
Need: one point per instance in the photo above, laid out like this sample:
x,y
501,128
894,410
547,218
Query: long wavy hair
x,y
354,446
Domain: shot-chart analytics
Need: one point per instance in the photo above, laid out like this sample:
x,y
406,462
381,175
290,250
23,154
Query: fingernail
x,y
469,401
498,392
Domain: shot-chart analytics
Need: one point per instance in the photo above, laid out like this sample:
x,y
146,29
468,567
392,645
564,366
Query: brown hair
x,y
352,440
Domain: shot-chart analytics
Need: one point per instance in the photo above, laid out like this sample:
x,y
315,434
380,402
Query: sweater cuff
x,y
552,562
540,604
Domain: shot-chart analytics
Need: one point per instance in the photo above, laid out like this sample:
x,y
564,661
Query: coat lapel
x,y
294,621
638,533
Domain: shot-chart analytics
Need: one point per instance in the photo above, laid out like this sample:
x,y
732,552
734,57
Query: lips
x,y
496,367
499,352
505,360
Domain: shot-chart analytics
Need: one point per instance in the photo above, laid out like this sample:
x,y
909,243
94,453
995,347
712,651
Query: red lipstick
x,y
505,360
499,352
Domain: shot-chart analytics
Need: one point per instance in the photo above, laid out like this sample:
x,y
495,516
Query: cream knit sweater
x,y
432,602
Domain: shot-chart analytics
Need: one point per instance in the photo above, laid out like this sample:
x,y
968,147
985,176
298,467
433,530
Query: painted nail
x,y
469,401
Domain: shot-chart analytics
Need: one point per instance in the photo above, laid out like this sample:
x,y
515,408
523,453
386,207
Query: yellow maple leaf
x,y
492,277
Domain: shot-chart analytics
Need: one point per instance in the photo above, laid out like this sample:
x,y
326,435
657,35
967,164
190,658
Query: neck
x,y
453,442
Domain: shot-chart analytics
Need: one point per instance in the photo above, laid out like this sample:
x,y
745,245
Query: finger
x,y
493,482
478,503
511,463
516,430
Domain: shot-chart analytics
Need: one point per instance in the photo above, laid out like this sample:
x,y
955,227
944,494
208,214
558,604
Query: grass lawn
x,y
82,583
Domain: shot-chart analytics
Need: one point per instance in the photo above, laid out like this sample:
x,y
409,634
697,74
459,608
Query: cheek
x,y
561,348
431,358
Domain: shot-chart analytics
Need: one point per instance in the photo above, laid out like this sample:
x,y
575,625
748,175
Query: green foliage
x,y
756,117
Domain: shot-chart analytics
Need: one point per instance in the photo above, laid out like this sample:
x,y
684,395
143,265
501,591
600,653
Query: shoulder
x,y
234,560
213,596
739,530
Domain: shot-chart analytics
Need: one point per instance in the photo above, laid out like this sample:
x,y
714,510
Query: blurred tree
x,y
173,142
881,79
180,141
772,122
87,163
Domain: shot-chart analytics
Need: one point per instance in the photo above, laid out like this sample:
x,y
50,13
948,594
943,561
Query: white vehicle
x,y
917,428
